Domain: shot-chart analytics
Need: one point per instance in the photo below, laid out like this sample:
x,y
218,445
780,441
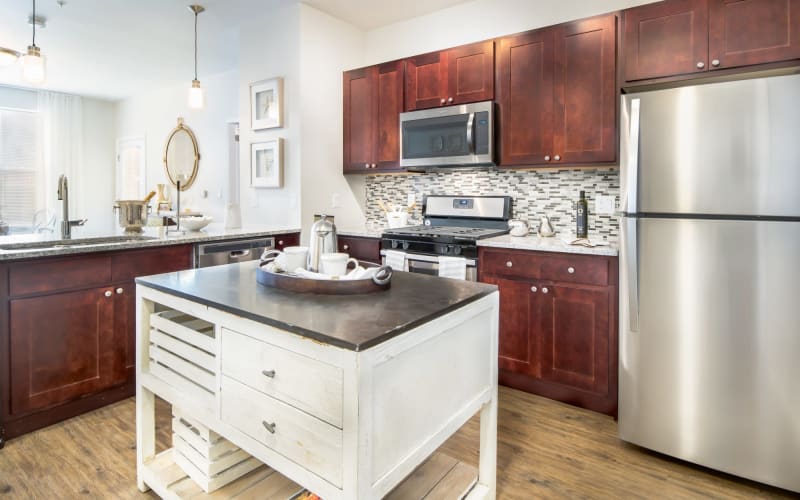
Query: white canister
x,y
336,263
397,218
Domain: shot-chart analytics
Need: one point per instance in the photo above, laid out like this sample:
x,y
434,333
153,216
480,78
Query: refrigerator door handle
x,y
632,262
629,204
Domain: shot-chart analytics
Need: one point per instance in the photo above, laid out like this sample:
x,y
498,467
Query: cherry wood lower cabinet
x,y
361,248
284,240
69,332
558,324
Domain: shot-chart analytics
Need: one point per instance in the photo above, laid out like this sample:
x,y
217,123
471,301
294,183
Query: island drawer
x,y
305,383
306,440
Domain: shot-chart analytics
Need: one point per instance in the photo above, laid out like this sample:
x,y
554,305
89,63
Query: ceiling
x,y
113,49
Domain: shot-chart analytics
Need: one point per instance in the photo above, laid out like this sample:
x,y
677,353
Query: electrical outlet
x,y
335,202
411,198
604,205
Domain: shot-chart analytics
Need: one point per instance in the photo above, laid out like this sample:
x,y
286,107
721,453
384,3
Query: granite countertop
x,y
361,232
47,245
554,244
354,322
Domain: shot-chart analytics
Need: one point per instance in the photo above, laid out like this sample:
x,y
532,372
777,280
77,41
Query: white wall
x,y
153,115
478,20
99,164
269,48
321,64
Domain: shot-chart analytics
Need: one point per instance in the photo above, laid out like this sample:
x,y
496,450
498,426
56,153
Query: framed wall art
x,y
266,104
266,164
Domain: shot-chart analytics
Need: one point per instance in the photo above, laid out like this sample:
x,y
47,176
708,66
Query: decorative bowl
x,y
195,223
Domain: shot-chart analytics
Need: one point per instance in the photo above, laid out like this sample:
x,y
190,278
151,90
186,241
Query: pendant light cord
x,y
195,45
34,24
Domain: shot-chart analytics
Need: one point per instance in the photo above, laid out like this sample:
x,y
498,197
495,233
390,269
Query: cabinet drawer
x,y
307,441
59,274
368,249
129,264
575,269
511,263
302,382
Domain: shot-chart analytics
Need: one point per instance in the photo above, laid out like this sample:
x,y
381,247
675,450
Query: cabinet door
x,y
426,81
520,325
585,124
62,347
743,32
125,324
388,105
525,98
360,122
286,240
665,39
575,349
470,73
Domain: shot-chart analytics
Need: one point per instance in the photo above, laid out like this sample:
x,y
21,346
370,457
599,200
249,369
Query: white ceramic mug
x,y
290,258
336,264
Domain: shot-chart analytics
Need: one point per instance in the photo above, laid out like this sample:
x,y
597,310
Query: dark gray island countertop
x,y
354,322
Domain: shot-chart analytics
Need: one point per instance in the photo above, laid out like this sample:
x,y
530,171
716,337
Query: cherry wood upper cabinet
x,y
525,97
373,101
556,95
585,84
665,38
685,37
745,32
454,76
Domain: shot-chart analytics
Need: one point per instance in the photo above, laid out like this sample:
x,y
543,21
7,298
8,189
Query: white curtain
x,y
62,146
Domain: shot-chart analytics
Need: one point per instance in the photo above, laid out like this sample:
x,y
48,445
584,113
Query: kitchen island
x,y
344,395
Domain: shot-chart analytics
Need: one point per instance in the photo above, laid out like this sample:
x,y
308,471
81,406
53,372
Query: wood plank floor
x,y
545,450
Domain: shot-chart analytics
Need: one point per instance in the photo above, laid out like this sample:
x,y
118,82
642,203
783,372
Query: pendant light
x,y
196,99
33,69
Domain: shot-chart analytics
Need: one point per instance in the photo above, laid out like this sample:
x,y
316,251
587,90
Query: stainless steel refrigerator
x,y
710,276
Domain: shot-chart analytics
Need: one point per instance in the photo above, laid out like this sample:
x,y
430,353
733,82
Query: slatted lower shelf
x,y
441,477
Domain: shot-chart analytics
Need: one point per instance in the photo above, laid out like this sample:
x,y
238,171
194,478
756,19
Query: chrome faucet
x,y
63,195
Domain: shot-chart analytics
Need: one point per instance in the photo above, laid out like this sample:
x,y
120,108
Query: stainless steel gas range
x,y
452,227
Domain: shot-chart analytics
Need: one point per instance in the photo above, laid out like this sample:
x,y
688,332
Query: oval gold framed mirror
x,y
181,156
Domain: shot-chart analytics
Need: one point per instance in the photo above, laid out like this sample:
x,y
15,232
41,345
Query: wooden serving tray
x,y
293,283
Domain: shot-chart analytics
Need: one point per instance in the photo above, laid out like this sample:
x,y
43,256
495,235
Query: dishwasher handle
x,y
238,254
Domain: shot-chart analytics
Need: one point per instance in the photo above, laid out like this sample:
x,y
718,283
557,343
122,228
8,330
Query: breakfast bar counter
x,y
344,395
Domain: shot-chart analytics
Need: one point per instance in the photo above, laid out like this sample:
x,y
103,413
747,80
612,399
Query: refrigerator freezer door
x,y
711,374
725,148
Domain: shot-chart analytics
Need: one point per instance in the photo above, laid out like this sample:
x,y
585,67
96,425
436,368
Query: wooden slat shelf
x,y
441,477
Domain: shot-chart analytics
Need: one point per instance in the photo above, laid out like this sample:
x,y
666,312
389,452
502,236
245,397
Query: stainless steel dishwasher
x,y
231,251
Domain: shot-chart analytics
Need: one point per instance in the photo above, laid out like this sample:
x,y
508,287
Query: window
x,y
20,167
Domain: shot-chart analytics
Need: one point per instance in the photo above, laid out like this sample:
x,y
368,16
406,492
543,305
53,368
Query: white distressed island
x,y
344,395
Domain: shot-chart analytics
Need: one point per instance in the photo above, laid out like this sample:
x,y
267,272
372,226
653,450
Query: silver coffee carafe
x,y
323,240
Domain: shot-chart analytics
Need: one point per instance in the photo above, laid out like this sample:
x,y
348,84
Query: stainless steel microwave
x,y
454,136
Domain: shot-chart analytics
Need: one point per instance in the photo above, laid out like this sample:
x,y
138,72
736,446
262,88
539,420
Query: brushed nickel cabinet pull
x,y
269,427
268,373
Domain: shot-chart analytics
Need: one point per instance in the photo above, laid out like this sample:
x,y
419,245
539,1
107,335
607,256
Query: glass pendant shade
x,y
197,99
8,56
33,66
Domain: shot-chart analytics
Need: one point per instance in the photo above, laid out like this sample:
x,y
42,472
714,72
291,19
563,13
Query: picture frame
x,y
266,164
266,104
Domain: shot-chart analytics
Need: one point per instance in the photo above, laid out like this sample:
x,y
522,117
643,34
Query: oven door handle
x,y
429,258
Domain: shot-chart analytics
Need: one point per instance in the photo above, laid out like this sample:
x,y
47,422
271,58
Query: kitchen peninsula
x,y
345,395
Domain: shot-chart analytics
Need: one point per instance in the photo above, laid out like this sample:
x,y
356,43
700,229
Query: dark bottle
x,y
582,217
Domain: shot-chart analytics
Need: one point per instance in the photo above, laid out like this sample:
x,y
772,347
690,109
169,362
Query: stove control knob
x,y
405,245
394,243
457,250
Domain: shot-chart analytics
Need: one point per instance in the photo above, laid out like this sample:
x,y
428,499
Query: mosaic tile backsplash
x,y
535,193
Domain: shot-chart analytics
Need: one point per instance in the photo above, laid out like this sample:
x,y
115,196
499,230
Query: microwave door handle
x,y
470,135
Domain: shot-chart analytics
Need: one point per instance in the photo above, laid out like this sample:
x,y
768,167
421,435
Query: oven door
x,y
452,136
429,264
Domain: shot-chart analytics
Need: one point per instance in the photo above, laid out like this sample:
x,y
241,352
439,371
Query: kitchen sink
x,y
79,242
